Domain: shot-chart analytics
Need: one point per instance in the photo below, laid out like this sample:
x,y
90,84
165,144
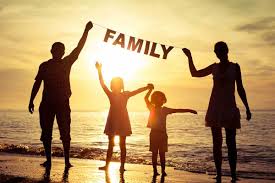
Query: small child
x,y
118,122
157,123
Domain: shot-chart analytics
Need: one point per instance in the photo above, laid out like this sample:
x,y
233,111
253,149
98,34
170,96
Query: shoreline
x,y
26,168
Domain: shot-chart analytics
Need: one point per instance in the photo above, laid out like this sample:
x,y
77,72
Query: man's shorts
x,y
158,141
47,113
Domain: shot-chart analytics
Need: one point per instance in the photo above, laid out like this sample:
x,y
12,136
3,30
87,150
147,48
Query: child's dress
x,y
157,123
118,122
222,110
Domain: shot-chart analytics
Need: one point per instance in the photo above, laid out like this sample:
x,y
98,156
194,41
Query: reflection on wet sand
x,y
65,175
47,174
154,179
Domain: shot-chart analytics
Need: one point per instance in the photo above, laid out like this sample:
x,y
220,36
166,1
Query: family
x,y
222,110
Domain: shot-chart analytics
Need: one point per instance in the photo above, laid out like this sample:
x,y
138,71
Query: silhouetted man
x,y
55,100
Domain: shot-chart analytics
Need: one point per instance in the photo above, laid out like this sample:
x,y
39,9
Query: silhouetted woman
x,y
222,110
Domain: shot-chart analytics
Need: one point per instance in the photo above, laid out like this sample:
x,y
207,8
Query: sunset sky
x,y
28,29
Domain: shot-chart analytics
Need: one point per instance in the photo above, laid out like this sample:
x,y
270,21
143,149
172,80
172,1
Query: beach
x,y
26,168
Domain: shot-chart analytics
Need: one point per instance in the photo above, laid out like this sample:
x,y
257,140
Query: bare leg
x,y
155,162
46,116
162,162
109,153
48,153
217,150
63,118
122,145
232,151
66,147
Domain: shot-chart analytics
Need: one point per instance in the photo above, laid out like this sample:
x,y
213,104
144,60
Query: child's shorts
x,y
158,141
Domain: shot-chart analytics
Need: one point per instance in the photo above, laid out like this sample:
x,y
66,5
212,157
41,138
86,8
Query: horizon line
x,y
90,110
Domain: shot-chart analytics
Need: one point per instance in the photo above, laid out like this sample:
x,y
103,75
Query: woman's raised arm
x,y
194,72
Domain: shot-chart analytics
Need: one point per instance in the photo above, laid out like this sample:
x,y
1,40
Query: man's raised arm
x,y
74,54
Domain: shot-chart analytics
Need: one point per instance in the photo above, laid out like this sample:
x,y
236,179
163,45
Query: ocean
x,y
189,149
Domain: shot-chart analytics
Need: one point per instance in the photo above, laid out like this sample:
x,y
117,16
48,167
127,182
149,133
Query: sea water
x,y
190,142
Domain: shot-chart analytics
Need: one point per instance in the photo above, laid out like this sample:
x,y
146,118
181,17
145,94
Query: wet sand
x,y
23,168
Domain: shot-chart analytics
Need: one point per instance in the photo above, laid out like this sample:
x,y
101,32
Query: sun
x,y
117,62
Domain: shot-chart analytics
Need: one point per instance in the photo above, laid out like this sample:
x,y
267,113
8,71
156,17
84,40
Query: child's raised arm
x,y
101,80
146,98
135,92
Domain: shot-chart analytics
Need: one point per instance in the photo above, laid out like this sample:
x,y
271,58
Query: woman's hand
x,y
248,115
187,52
31,107
98,66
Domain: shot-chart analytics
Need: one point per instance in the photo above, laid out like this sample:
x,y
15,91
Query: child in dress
x,y
118,122
157,123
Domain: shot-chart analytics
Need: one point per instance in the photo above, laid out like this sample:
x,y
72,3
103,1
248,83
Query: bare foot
x,y
46,164
68,165
103,168
234,179
122,169
156,173
164,173
218,178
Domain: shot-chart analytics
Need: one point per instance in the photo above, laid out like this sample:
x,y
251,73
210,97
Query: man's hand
x,y
248,115
150,86
31,107
98,66
187,52
89,25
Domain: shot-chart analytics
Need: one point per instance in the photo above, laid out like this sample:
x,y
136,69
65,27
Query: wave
x,y
75,152
191,165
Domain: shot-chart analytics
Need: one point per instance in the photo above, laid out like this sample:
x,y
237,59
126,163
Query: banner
x,y
136,44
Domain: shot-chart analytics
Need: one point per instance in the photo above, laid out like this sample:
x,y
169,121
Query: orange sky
x,y
29,29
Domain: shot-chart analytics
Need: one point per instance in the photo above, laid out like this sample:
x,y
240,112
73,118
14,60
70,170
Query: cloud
x,y
264,28
264,24
256,68
269,37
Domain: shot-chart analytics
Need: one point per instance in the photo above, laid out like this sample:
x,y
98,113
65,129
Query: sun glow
x,y
117,62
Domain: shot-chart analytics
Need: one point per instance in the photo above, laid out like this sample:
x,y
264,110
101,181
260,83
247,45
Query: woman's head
x,y
117,85
221,50
158,98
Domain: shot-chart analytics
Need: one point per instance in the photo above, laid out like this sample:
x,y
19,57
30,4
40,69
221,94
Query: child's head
x,y
117,85
158,98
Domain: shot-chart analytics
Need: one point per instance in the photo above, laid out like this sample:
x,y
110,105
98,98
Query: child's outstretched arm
x,y
182,111
101,80
135,92
146,98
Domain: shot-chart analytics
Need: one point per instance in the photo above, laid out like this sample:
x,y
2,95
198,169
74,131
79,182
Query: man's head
x,y
58,50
